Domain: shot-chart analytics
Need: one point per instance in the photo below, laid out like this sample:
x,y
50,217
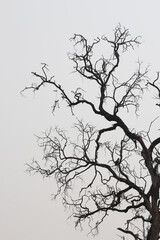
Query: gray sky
x,y
35,31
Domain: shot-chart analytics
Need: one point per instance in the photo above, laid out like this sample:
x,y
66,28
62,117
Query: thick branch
x,y
154,144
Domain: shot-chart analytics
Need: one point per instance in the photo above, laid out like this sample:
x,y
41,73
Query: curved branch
x,y
154,144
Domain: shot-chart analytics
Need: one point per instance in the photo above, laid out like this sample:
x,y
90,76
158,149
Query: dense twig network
x,y
107,176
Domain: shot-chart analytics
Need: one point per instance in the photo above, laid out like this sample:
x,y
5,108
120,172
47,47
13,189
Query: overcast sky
x,y
32,32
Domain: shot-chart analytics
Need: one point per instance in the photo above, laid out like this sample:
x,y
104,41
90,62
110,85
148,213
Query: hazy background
x,y
32,32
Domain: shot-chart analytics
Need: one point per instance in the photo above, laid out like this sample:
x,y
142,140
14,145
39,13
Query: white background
x,y
36,31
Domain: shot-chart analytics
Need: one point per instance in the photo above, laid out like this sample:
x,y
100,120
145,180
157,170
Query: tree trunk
x,y
154,231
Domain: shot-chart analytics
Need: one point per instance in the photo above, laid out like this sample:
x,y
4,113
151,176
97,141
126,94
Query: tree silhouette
x,y
111,168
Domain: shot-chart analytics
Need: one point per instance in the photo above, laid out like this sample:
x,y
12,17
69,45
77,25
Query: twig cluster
x,y
121,176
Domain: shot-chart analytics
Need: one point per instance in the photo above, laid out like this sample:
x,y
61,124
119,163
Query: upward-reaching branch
x,y
121,173
155,85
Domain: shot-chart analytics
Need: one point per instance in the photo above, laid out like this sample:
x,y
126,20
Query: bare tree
x,y
107,174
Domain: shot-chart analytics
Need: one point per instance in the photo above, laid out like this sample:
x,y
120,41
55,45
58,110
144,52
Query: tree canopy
x,y
109,168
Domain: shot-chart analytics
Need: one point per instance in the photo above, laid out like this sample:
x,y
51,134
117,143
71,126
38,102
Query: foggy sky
x,y
32,32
